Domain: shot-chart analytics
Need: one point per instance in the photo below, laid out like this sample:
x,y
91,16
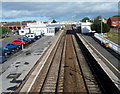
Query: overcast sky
x,y
46,11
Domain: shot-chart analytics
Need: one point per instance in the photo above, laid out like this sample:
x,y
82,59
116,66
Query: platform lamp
x,y
101,28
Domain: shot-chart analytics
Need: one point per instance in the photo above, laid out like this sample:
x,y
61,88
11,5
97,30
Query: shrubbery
x,y
4,30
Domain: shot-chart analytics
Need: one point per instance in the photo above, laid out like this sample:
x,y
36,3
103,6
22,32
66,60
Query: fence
x,y
112,45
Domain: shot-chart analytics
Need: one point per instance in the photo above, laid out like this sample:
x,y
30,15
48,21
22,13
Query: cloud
x,y
60,1
58,10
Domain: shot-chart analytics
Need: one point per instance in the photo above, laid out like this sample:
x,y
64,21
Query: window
x,y
114,21
10,44
51,30
17,41
22,31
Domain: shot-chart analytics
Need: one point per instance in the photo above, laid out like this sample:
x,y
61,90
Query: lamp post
x,y
101,29
22,44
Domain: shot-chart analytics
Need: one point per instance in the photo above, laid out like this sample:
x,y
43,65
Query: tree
x,y
97,19
54,21
84,19
97,26
4,30
116,16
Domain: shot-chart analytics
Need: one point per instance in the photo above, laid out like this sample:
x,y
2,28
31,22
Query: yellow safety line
x,y
102,56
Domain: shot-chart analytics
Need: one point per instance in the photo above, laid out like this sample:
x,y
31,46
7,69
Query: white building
x,y
24,31
39,27
69,22
86,27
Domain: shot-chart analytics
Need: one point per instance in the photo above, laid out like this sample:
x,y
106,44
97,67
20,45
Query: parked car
x,y
13,46
30,36
5,51
25,40
37,37
5,35
3,59
31,39
20,42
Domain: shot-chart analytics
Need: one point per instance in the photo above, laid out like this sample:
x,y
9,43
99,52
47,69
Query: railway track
x,y
50,78
78,76
50,83
67,70
88,77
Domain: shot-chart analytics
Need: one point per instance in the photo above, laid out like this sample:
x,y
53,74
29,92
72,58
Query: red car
x,y
20,42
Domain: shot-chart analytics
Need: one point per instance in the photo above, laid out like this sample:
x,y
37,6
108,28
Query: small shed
x,y
50,31
86,27
23,31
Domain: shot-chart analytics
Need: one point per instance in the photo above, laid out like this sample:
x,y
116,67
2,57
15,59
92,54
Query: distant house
x,y
104,20
114,22
17,25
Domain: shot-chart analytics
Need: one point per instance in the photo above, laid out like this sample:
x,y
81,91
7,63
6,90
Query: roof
x,y
56,25
17,23
114,18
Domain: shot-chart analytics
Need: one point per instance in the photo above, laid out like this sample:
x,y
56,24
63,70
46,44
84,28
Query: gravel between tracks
x,y
73,81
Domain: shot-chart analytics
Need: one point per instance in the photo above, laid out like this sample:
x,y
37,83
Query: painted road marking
x,y
4,39
102,55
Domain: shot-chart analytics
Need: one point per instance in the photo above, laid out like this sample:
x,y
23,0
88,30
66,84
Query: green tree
x,y
4,30
116,16
84,19
54,21
97,19
97,25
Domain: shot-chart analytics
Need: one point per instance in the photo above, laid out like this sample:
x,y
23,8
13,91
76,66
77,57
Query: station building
x,y
40,28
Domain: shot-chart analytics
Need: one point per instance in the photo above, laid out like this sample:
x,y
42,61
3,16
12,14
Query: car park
x,y
20,42
13,46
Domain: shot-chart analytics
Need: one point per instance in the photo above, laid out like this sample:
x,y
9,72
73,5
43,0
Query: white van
x,y
30,35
